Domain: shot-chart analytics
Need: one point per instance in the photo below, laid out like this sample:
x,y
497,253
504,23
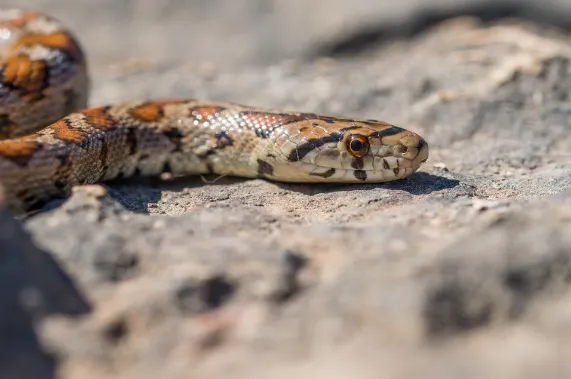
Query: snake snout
x,y
411,148
423,152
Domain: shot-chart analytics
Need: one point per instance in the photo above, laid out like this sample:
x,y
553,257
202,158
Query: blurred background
x,y
230,33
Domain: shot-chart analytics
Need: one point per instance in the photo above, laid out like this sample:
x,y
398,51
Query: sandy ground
x,y
461,269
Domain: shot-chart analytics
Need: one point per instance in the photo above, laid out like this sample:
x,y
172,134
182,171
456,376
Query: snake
x,y
52,141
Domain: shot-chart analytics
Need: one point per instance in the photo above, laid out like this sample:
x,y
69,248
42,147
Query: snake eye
x,y
358,145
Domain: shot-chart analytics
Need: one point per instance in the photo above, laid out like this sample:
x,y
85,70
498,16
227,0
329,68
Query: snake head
x,y
328,149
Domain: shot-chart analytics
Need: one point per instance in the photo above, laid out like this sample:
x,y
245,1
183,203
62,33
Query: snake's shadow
x,y
137,194
421,183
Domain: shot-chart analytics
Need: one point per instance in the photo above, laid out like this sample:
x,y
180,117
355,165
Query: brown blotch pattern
x,y
99,118
223,140
65,132
357,163
23,73
59,40
19,152
264,168
219,141
148,112
386,164
175,136
325,174
360,174
206,112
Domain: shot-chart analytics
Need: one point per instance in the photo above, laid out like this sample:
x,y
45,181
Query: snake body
x,y
50,141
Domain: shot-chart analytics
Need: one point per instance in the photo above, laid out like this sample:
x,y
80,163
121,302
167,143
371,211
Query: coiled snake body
x,y
49,141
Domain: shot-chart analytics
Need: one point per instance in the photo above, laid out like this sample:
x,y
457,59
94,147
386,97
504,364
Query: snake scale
x,y
50,141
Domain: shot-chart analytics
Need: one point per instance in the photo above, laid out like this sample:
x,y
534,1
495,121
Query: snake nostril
x,y
399,150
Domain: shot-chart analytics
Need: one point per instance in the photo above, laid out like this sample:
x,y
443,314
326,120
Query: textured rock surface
x,y
462,269
33,287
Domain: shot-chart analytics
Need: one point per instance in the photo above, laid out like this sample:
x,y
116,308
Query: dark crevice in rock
x,y
473,294
116,331
113,262
294,264
205,296
451,309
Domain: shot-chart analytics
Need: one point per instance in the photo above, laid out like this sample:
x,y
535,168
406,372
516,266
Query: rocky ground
x,y
461,269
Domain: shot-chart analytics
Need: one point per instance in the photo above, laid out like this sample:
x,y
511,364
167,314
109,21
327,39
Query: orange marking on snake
x,y
63,132
153,110
206,113
24,73
98,118
18,151
149,112
58,40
